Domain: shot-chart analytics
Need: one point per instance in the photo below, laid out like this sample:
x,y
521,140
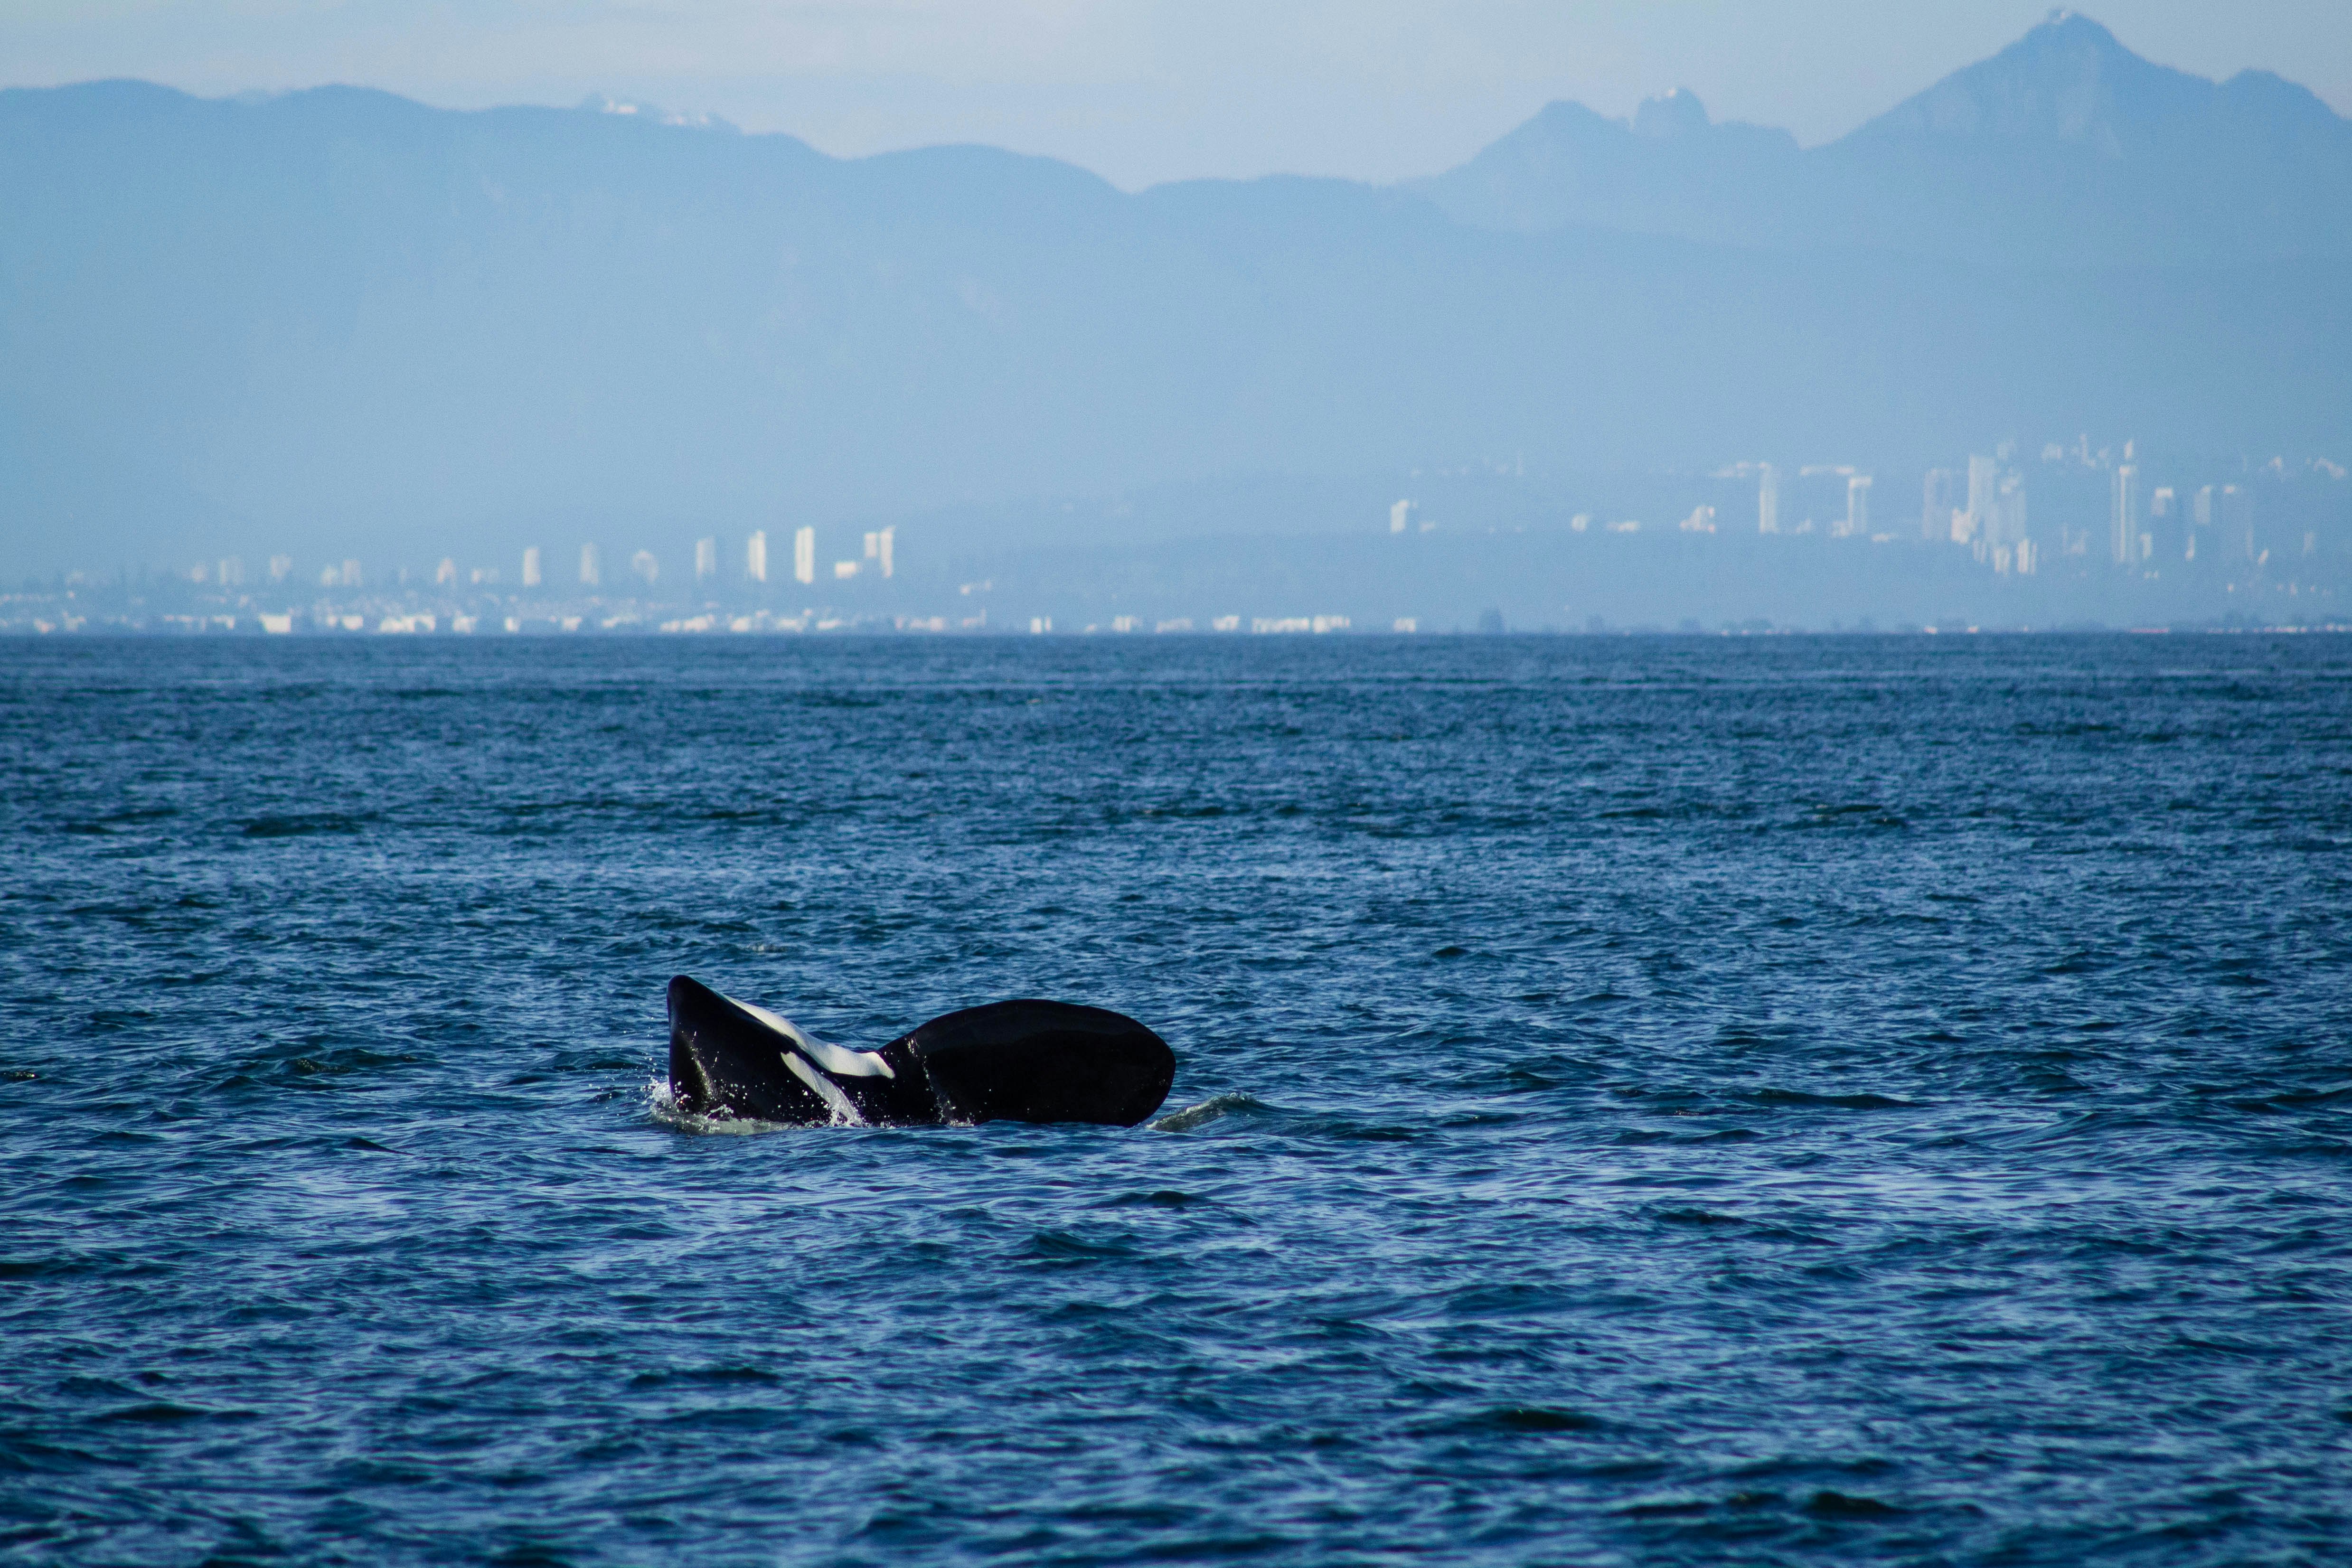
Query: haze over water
x,y
1673,1100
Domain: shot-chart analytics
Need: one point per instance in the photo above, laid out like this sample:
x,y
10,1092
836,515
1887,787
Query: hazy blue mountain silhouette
x,y
339,322
2065,149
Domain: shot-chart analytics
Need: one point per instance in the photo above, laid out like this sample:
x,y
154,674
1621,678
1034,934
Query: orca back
x,y
1032,1060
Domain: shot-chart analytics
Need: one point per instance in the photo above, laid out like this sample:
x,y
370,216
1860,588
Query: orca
x,y
1026,1060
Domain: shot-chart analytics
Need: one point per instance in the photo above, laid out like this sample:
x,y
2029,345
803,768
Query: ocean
x,y
1639,1100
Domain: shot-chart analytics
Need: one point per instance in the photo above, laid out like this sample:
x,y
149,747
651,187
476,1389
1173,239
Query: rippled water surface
x,y
1638,1101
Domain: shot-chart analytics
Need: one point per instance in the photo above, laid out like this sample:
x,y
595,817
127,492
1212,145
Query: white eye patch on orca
x,y
836,1060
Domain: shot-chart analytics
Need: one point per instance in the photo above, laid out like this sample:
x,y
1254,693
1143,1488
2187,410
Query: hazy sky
x,y
1139,90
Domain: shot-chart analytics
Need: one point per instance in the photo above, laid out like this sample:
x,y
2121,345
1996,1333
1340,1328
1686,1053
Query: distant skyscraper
x,y
2167,522
2123,516
232,572
279,566
755,556
445,574
706,559
1768,501
530,567
1936,502
1857,506
644,564
2234,518
1984,488
1398,513
2005,530
351,574
592,567
885,539
805,555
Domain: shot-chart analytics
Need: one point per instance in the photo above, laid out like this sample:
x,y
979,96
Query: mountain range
x,y
337,320
2063,150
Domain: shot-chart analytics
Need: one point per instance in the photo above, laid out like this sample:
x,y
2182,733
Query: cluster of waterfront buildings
x,y
1982,507
878,560
410,623
538,600
2148,525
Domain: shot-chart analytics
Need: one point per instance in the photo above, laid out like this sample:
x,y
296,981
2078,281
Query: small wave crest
x,y
1206,1112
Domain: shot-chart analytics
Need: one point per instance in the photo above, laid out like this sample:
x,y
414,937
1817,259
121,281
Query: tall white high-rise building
x,y
1937,501
1984,489
2004,532
755,556
706,559
805,555
351,574
2123,518
2234,510
882,556
592,567
279,566
1768,501
644,564
530,567
445,574
1857,506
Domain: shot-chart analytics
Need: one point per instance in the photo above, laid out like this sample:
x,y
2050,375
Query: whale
x,y
1023,1061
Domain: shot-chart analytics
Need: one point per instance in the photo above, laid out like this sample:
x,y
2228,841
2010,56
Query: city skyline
x,y
2103,524
1978,500
1982,503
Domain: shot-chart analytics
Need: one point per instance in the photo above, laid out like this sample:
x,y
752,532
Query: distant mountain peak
x,y
1678,113
2071,39
604,103
2068,79
2063,24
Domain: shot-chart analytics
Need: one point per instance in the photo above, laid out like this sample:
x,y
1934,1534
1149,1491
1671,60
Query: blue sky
x,y
1144,90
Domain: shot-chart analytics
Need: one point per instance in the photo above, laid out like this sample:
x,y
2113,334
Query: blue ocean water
x,y
1639,1100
